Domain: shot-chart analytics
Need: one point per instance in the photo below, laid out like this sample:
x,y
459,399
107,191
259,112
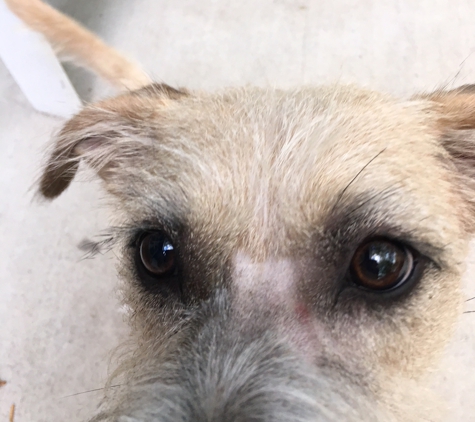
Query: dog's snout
x,y
271,281
271,288
230,369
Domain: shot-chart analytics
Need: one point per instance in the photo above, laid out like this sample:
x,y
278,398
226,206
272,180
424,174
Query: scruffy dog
x,y
286,255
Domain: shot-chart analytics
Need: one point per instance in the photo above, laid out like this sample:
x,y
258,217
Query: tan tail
x,y
70,39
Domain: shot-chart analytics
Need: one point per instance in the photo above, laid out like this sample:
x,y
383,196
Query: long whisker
x,y
91,391
356,176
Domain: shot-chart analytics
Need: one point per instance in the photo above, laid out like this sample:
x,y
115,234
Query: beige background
x,y
59,316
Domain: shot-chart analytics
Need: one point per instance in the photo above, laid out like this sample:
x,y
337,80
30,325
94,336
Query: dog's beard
x,y
224,371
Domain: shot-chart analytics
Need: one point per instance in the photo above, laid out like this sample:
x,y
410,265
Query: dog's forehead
x,y
257,160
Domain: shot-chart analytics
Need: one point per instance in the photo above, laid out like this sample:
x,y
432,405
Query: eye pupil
x,y
157,254
381,265
379,260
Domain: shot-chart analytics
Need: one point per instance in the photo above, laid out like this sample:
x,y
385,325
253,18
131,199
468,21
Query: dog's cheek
x,y
150,315
403,337
414,342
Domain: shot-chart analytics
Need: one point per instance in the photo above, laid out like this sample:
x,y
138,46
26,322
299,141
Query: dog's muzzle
x,y
225,370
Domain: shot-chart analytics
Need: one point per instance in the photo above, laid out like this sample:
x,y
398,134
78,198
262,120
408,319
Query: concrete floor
x,y
59,315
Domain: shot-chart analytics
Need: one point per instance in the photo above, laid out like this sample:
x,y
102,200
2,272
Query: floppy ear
x,y
104,135
455,125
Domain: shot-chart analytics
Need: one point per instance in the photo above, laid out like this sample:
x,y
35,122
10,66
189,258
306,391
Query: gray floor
x,y
59,314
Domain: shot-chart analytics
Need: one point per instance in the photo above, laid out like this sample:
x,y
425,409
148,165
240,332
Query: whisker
x,y
469,312
356,176
468,300
93,248
91,391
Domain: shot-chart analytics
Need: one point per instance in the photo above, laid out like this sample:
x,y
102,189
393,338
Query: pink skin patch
x,y
271,282
303,314
272,286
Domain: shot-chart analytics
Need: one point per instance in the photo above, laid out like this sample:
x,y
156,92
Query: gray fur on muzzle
x,y
225,370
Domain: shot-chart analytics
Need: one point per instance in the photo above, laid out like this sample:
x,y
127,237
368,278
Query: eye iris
x,y
381,265
157,254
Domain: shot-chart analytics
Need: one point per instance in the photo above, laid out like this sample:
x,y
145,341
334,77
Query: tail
x,y
71,40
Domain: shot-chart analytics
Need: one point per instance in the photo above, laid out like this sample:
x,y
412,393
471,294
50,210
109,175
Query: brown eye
x,y
381,264
157,254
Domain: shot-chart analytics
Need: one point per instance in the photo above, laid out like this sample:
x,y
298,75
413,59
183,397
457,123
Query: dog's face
x,y
286,255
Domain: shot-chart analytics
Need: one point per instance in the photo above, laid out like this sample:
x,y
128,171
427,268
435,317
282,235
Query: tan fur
x,y
261,172
268,193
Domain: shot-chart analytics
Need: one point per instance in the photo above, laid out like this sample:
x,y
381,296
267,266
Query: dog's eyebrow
x,y
368,200
376,214
340,196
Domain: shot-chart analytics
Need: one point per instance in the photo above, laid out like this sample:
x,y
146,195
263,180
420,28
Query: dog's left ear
x,y
455,126
107,135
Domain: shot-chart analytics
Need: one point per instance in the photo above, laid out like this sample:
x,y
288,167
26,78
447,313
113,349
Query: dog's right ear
x,y
106,135
454,112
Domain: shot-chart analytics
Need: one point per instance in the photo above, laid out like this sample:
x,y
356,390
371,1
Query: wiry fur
x,y
266,194
246,374
295,179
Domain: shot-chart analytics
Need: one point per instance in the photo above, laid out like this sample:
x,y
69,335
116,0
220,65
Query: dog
x,y
286,255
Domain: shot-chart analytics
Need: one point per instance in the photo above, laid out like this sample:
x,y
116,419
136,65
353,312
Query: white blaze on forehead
x,y
272,281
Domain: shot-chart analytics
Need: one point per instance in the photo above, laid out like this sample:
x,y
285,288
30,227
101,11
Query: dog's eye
x,y
382,264
157,254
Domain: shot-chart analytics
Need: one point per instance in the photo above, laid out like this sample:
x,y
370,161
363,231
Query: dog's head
x,y
287,255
